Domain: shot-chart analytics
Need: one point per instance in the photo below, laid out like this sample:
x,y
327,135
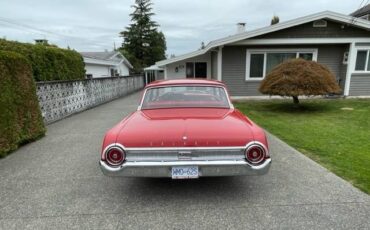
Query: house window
x,y
362,61
306,56
274,59
320,23
261,62
196,70
114,72
366,17
257,65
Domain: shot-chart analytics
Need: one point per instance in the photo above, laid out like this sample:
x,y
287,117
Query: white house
x,y
105,64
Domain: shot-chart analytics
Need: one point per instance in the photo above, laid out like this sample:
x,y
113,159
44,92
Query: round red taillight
x,y
255,154
115,156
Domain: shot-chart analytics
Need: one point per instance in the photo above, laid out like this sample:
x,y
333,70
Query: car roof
x,y
184,82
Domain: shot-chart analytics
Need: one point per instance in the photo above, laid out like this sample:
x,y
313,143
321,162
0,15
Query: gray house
x,y
363,13
338,41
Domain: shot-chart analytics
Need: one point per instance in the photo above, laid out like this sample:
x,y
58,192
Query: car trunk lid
x,y
185,127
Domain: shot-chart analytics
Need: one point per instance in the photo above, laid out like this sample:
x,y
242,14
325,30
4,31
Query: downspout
x,y
350,68
165,72
219,63
146,77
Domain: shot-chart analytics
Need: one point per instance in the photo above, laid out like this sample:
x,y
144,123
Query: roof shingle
x,y
99,55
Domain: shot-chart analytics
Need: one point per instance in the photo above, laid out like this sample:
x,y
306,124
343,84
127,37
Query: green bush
x,y
49,63
20,115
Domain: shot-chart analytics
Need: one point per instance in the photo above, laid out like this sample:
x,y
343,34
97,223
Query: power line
x,y
360,4
366,2
12,27
34,28
43,32
359,7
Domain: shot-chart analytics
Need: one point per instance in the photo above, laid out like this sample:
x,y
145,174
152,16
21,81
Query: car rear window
x,y
185,96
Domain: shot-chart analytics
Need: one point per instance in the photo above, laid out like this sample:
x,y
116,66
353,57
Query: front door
x,y
189,70
201,69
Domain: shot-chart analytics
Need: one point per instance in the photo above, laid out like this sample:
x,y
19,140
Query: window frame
x,y
194,73
365,71
365,17
317,23
298,51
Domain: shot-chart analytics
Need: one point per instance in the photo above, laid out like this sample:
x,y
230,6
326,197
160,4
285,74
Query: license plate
x,y
185,172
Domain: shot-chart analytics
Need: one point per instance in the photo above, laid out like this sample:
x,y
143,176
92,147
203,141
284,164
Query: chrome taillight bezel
x,y
263,150
108,159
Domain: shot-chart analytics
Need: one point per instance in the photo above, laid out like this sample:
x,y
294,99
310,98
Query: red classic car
x,y
185,129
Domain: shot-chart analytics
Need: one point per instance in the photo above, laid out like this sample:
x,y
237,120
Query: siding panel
x,y
233,72
234,66
214,65
360,85
333,30
332,57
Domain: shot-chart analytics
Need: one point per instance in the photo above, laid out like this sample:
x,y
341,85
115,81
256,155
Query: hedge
x,y
49,62
20,115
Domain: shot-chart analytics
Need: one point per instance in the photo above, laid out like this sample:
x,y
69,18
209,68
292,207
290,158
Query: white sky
x,y
93,25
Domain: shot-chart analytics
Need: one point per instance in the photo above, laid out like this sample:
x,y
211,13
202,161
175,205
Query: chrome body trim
x,y
233,164
182,148
206,168
113,145
120,149
259,146
161,155
193,147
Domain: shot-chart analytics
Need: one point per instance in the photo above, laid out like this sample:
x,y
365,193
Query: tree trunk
x,y
295,100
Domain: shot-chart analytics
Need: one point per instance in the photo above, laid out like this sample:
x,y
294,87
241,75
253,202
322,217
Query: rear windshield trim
x,y
230,105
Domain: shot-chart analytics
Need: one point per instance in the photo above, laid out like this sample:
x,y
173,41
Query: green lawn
x,y
335,133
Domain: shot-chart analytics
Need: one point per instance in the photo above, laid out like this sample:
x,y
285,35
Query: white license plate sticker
x,y
185,172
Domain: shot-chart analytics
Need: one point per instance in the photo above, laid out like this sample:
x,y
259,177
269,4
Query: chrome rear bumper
x,y
206,168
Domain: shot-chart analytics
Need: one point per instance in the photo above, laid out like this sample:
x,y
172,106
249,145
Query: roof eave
x,y
269,29
99,62
108,61
124,59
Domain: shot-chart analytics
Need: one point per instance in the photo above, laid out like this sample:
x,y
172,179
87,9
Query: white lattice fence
x,y
60,99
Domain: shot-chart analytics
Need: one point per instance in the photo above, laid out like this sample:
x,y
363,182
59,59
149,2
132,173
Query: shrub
x,y
20,116
49,62
298,77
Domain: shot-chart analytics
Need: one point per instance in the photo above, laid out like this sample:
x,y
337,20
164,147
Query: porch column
x,y
165,72
350,67
146,77
219,63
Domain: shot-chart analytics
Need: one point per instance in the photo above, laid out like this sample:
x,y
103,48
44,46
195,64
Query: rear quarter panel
x,y
110,136
258,133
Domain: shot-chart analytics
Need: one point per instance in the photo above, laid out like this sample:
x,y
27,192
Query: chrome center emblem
x,y
185,155
255,154
184,138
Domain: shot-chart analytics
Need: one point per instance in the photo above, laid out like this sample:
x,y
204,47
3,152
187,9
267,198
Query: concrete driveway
x,y
55,183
